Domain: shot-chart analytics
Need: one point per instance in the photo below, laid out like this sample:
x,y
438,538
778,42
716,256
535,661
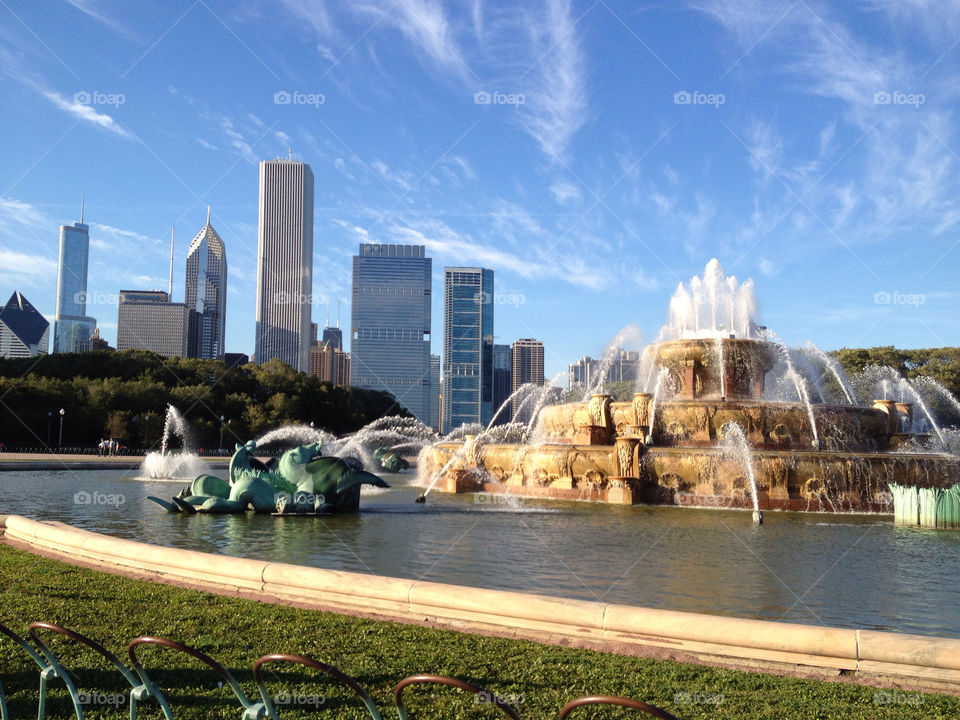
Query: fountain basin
x,y
629,472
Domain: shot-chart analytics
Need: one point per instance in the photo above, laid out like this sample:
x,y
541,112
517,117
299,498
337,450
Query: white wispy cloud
x,y
314,12
238,142
556,98
21,213
117,234
425,25
565,193
87,114
93,9
28,264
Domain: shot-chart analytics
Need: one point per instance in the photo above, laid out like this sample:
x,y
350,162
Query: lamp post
x,y
49,418
220,446
60,440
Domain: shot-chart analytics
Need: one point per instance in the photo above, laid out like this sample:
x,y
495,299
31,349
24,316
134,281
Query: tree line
x,y
125,395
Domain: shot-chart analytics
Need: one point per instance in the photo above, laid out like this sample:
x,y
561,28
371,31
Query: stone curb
x,y
885,658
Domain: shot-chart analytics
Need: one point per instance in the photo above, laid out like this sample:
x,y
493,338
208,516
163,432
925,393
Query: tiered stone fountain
x,y
667,446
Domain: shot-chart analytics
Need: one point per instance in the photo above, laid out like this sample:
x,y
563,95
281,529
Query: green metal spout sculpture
x,y
300,482
389,460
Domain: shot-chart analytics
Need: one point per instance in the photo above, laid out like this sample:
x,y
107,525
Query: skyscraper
x,y
467,346
435,391
285,263
527,370
206,290
147,320
72,328
24,332
390,324
502,384
582,373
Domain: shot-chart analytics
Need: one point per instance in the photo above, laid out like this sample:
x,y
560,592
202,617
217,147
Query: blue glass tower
x,y
467,346
72,328
390,324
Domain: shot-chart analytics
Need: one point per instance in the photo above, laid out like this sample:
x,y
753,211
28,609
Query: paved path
x,y
52,461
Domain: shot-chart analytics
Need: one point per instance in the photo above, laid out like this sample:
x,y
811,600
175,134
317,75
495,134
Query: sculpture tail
x,y
359,477
168,506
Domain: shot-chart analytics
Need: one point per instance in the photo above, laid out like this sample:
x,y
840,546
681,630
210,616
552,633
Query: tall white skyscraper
x,y
72,328
285,263
206,290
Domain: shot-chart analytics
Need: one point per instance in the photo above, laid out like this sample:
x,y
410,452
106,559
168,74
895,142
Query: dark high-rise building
x,y
24,332
527,370
334,336
285,263
206,290
390,324
147,320
502,383
467,346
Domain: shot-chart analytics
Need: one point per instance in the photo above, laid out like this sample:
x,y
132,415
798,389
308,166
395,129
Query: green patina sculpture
x,y
389,460
301,481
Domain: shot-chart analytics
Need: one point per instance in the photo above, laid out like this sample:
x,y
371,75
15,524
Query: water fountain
x,y
167,464
711,367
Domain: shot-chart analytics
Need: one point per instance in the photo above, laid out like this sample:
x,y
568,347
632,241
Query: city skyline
x,y
810,147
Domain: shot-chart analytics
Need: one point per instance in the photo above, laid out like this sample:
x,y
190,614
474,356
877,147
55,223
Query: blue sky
x,y
812,147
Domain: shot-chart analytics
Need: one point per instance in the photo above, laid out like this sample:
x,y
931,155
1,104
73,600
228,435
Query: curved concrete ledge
x,y
879,657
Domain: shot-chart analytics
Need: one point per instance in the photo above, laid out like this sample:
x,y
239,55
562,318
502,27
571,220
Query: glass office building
x,y
390,324
71,326
206,290
467,346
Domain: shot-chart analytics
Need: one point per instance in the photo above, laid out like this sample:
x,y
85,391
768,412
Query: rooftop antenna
x,y
328,312
82,199
289,153
170,286
208,214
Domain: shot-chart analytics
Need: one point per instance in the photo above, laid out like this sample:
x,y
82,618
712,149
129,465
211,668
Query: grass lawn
x,y
540,678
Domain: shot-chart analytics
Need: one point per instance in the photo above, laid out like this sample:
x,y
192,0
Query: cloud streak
x,y
87,114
